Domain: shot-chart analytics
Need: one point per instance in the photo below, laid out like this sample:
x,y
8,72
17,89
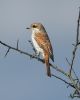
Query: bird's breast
x,y
37,47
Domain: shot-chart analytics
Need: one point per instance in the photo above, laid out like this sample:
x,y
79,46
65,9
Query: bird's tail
x,y
47,65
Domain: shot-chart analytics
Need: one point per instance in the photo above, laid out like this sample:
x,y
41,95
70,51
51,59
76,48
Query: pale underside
x,y
37,47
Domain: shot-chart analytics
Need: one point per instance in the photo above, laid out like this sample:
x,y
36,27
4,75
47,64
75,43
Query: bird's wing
x,y
44,42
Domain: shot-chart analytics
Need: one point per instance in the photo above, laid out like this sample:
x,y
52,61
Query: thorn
x,y
17,44
29,41
68,86
73,45
68,62
7,52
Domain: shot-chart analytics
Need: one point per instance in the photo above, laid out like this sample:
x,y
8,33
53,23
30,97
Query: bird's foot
x,y
35,55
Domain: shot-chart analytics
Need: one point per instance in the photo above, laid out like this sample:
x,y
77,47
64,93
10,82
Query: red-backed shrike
x,y
42,44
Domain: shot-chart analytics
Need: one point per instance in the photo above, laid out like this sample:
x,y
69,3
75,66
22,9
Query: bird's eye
x,y
34,26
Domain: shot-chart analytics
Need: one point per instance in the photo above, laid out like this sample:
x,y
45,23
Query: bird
x,y
42,44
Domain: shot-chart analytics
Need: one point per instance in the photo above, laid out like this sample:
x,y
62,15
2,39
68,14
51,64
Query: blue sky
x,y
25,79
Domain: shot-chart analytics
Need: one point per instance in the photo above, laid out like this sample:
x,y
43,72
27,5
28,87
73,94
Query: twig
x,y
68,62
72,69
7,52
63,80
69,84
58,69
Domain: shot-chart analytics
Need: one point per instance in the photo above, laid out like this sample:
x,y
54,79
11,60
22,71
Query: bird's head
x,y
37,27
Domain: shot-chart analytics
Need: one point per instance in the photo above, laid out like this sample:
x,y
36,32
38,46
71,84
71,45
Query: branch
x,y
77,43
69,84
32,56
41,60
18,50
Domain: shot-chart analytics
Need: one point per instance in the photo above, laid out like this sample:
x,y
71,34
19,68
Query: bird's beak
x,y
28,28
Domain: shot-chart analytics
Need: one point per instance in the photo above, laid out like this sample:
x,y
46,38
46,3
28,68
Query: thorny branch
x,y
76,44
39,59
69,79
31,56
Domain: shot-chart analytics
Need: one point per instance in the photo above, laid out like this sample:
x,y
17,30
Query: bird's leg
x,y
37,54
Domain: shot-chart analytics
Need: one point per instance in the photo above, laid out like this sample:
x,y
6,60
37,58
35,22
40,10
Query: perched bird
x,y
42,44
